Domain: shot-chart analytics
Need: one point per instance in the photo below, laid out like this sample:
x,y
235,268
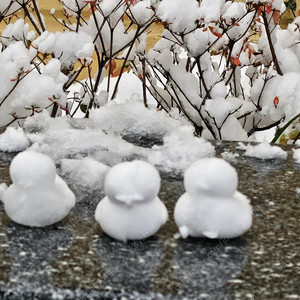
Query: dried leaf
x,y
276,16
276,101
268,8
236,61
214,32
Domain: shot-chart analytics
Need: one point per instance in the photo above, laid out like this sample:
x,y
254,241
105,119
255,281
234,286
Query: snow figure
x,y
212,207
38,196
131,210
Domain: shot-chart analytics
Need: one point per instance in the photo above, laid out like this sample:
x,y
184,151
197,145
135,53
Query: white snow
x,y
180,149
265,151
15,32
132,116
38,196
180,14
101,136
13,140
66,46
211,206
296,155
84,175
131,210
141,12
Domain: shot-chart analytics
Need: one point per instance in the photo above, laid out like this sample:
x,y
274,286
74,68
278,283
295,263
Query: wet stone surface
x,y
74,259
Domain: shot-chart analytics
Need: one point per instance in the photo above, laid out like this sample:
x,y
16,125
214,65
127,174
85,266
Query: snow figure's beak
x,y
129,199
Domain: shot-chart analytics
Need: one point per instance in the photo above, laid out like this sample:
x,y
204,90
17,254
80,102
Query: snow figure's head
x,y
131,182
211,176
29,169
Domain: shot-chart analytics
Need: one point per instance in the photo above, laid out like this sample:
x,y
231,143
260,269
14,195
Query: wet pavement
x,y
74,259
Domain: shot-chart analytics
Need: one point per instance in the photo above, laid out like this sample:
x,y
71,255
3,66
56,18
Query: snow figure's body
x,y
38,196
212,207
131,210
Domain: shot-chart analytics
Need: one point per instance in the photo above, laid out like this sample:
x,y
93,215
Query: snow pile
x,y
263,151
42,122
180,149
78,143
132,117
13,140
101,138
84,175
297,155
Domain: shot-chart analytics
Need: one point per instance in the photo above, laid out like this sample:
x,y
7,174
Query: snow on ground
x,y
263,151
85,175
13,140
133,117
100,138
180,149
297,155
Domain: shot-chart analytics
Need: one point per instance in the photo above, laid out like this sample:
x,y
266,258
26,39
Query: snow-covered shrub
x,y
225,66
39,67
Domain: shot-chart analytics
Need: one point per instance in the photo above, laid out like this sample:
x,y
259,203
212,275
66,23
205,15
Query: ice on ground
x,y
13,140
296,155
180,149
263,151
84,175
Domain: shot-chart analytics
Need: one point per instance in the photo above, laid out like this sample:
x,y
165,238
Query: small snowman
x,y
38,196
212,207
131,210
